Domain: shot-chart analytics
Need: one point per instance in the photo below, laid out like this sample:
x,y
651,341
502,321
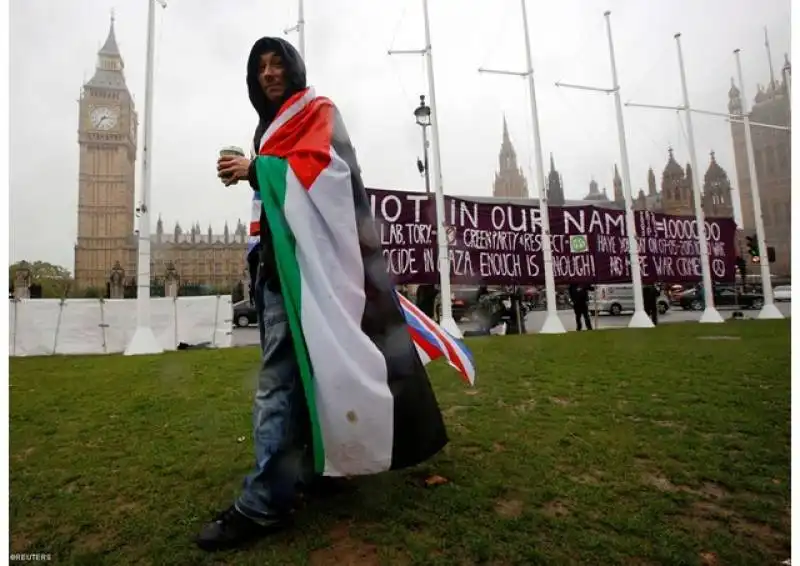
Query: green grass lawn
x,y
668,446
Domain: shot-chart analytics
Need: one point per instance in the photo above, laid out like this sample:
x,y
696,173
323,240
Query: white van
x,y
617,299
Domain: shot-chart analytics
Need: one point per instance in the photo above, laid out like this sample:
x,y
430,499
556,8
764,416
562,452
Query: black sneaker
x,y
231,529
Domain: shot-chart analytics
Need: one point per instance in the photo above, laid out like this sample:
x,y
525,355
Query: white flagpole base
x,y
143,342
552,324
769,312
640,320
449,324
711,316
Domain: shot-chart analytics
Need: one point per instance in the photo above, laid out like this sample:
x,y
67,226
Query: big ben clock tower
x,y
107,140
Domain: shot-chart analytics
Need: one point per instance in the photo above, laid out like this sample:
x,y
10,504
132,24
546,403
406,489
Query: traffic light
x,y
752,246
771,254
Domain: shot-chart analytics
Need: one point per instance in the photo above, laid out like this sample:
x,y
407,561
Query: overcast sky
x,y
201,104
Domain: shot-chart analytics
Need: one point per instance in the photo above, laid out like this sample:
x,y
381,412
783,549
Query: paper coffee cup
x,y
231,150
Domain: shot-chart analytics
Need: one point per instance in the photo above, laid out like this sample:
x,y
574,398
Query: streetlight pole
x,y
423,116
552,324
640,318
710,313
446,321
769,310
144,340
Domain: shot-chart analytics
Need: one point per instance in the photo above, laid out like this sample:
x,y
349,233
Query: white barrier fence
x,y
43,327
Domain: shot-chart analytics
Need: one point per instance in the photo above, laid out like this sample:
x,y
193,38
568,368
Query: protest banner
x,y
497,243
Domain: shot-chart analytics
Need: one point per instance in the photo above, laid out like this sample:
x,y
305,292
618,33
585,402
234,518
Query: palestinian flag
x,y
371,405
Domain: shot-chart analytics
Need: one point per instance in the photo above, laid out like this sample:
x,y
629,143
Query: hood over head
x,y
295,74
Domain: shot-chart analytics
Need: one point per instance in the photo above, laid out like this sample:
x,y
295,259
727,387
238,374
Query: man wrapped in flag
x,y
342,362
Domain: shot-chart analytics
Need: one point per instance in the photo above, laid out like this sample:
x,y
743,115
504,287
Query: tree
x,y
55,281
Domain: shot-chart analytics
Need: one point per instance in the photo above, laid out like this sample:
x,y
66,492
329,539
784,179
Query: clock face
x,y
104,118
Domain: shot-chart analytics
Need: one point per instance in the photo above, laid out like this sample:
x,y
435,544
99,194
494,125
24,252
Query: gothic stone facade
x,y
107,135
772,155
205,258
675,197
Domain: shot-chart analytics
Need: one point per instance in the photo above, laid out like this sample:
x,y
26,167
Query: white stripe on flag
x,y
354,403
287,115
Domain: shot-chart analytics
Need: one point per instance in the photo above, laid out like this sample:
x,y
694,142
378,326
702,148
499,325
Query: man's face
x,y
271,76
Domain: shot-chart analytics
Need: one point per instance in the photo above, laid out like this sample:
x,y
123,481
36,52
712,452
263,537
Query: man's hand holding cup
x,y
232,165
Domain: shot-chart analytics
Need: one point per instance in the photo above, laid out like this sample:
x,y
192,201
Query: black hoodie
x,y
295,75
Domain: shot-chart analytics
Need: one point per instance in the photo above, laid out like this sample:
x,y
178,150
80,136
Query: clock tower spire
x,y
107,127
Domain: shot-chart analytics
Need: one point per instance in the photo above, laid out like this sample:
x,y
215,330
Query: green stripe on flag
x,y
271,172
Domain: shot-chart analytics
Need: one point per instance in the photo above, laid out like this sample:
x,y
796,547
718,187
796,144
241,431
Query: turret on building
x,y
555,185
509,181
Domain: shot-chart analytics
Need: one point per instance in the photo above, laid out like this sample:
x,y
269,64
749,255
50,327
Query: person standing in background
x,y
651,293
426,299
579,295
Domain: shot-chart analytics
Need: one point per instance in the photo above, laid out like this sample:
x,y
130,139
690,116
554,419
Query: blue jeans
x,y
280,417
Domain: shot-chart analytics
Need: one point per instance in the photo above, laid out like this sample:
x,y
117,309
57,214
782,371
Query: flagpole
x,y
446,320
787,77
552,323
710,313
639,318
769,310
300,28
769,59
144,340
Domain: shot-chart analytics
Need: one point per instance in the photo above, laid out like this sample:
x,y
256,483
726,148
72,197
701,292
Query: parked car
x,y
616,299
244,314
463,298
724,296
783,293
